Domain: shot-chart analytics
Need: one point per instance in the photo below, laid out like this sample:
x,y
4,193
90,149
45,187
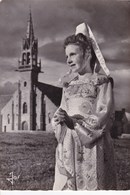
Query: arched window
x,y
28,57
8,118
24,59
25,83
24,107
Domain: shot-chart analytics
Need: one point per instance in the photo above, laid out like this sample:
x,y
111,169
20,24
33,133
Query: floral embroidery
x,y
84,90
86,107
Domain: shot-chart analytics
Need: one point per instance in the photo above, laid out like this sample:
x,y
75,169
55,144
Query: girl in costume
x,y
82,123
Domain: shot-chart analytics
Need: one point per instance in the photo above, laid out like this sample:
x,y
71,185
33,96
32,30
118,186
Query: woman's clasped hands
x,y
61,117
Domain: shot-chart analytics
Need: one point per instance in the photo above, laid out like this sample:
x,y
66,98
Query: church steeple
x,y
29,67
29,57
30,31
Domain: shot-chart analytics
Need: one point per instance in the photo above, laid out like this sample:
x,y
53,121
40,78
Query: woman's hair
x,y
85,43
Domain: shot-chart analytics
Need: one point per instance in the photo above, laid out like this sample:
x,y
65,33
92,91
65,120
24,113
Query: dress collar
x,y
85,76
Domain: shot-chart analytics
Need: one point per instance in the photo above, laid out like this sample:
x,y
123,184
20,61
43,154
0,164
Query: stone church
x,y
33,103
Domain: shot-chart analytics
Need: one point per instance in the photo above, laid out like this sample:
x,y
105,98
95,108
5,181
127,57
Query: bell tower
x,y
29,67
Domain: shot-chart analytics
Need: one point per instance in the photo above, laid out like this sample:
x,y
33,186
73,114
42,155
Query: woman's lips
x,y
72,65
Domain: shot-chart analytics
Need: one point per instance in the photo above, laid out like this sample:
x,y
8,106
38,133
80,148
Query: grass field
x,y
32,158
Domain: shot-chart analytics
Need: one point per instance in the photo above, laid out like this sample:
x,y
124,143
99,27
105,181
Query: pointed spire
x,y
30,31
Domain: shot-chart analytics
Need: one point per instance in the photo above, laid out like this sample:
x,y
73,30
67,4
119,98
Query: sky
x,y
53,21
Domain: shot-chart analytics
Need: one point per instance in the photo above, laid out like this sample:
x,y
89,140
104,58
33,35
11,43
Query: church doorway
x,y
24,125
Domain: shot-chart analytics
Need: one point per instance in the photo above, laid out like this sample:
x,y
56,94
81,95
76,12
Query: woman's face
x,y
75,58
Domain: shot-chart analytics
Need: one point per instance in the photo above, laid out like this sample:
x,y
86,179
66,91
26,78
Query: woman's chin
x,y
74,71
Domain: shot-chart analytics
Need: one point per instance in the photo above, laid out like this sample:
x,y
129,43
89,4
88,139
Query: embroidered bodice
x,y
81,94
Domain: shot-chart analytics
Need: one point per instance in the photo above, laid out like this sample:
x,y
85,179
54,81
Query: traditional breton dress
x,y
84,155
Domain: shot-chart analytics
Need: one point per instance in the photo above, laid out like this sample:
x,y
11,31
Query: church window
x,y
24,59
34,59
28,57
5,128
24,108
8,118
25,84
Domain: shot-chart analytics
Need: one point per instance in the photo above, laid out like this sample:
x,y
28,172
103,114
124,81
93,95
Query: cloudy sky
x,y
54,20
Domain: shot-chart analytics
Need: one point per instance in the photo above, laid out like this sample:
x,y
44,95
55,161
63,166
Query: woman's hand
x,y
61,117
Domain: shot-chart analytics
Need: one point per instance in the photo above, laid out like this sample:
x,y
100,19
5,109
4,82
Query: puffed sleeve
x,y
105,104
90,128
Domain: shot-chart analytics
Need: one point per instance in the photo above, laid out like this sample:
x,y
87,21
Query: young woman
x,y
84,155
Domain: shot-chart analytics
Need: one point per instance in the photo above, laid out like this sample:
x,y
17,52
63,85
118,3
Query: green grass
x,y
32,156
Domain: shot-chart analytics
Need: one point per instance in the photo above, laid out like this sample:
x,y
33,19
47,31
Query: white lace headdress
x,y
85,29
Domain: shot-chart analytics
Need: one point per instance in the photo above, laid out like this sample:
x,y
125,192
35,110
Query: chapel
x,y
33,104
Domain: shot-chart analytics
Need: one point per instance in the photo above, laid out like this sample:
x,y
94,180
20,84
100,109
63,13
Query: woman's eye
x,y
72,54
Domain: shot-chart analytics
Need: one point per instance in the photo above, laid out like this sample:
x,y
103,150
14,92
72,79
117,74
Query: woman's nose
x,y
69,60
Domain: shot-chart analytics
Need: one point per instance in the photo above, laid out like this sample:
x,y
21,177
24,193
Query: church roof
x,y
52,92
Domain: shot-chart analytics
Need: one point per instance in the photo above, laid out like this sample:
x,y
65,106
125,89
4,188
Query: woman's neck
x,y
85,70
